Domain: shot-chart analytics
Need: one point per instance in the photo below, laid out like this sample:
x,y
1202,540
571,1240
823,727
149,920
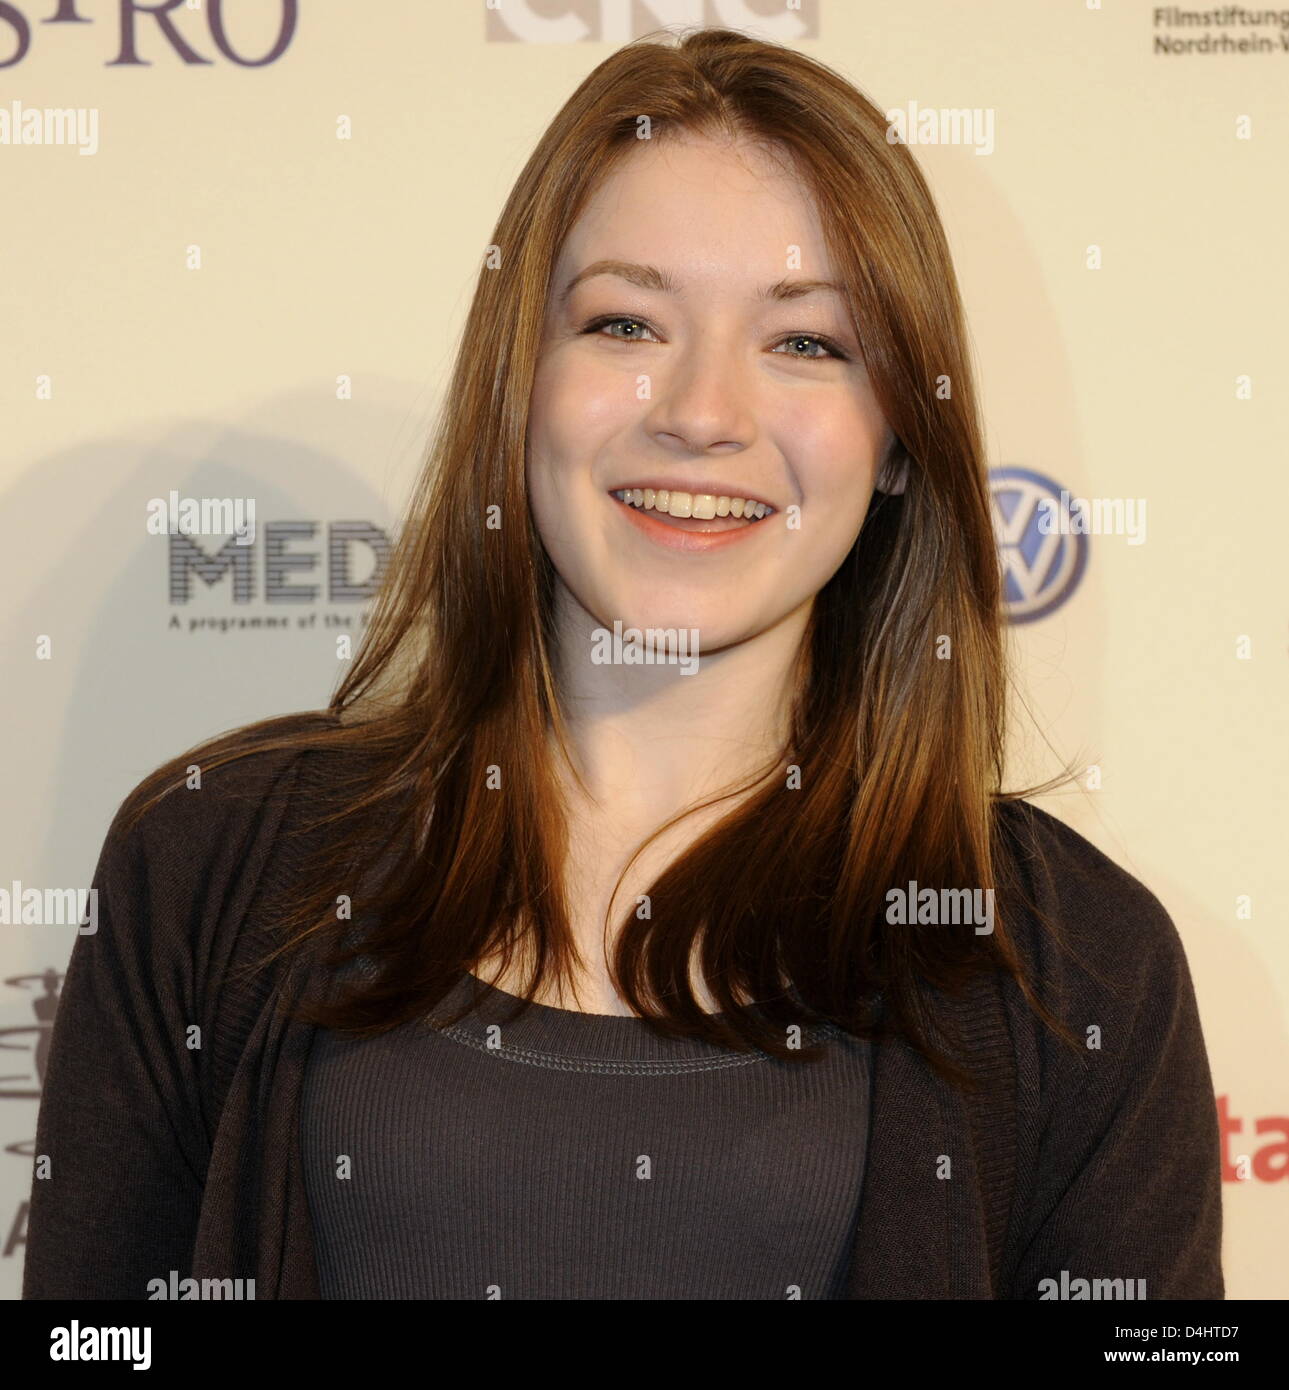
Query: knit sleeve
x,y
123,1137
1128,1180
117,1182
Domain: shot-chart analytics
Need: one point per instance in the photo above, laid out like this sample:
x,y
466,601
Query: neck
x,y
648,740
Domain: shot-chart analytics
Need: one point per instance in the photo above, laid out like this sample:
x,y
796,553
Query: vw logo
x,y
1041,566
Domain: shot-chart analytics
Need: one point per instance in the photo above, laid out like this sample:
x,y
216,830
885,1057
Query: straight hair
x,y
898,714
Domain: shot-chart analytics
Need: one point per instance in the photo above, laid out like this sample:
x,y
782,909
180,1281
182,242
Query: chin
x,y
661,609
717,625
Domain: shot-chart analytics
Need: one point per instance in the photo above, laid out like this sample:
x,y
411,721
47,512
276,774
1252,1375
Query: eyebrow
x,y
649,277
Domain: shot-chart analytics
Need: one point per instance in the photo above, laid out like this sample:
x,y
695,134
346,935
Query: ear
x,y
893,475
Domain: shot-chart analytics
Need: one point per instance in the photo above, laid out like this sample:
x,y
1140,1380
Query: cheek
x,y
575,410
572,417
835,453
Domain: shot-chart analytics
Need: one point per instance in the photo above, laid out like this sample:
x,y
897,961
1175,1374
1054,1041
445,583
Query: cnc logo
x,y
1042,564
619,21
177,28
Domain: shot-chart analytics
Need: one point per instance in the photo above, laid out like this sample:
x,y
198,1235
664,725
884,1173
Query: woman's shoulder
x,y
1099,932
198,795
198,827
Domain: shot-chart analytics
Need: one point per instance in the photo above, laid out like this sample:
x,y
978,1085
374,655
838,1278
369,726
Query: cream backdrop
x,y
252,282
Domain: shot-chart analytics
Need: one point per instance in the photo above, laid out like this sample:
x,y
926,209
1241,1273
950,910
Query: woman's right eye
x,y
612,320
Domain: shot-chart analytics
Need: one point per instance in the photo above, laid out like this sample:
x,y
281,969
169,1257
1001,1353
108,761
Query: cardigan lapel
x,y
287,1262
254,1218
920,1230
901,1234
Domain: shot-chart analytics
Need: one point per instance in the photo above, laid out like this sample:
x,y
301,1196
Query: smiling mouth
x,y
695,511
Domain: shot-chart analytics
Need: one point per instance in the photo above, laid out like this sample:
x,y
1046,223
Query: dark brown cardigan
x,y
1103,1164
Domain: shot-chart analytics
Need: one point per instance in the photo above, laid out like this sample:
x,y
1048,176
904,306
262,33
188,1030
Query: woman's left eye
x,y
828,349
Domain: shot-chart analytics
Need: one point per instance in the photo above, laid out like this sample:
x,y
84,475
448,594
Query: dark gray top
x,y
574,1155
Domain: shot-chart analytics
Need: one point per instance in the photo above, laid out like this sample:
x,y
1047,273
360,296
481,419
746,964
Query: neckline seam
x,y
660,1066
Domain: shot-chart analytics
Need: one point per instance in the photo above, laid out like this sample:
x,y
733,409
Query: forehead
x,y
704,209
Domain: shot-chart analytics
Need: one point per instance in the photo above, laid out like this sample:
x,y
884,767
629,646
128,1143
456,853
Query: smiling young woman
x,y
523,975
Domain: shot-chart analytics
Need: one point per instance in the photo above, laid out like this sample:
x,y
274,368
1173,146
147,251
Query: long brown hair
x,y
898,719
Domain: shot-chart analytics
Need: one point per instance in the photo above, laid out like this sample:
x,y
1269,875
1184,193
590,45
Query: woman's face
x,y
689,350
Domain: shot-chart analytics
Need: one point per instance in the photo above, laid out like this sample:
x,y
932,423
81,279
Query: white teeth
x,y
701,505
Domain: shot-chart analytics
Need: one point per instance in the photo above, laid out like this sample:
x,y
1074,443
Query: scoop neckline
x,y
579,1041
569,1013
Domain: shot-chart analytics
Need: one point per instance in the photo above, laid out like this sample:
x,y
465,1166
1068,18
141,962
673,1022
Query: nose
x,y
702,401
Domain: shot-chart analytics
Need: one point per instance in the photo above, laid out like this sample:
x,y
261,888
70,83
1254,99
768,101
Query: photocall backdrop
x,y
239,243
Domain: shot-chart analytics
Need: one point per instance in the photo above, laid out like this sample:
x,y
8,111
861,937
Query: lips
x,y
685,527
704,500
709,513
